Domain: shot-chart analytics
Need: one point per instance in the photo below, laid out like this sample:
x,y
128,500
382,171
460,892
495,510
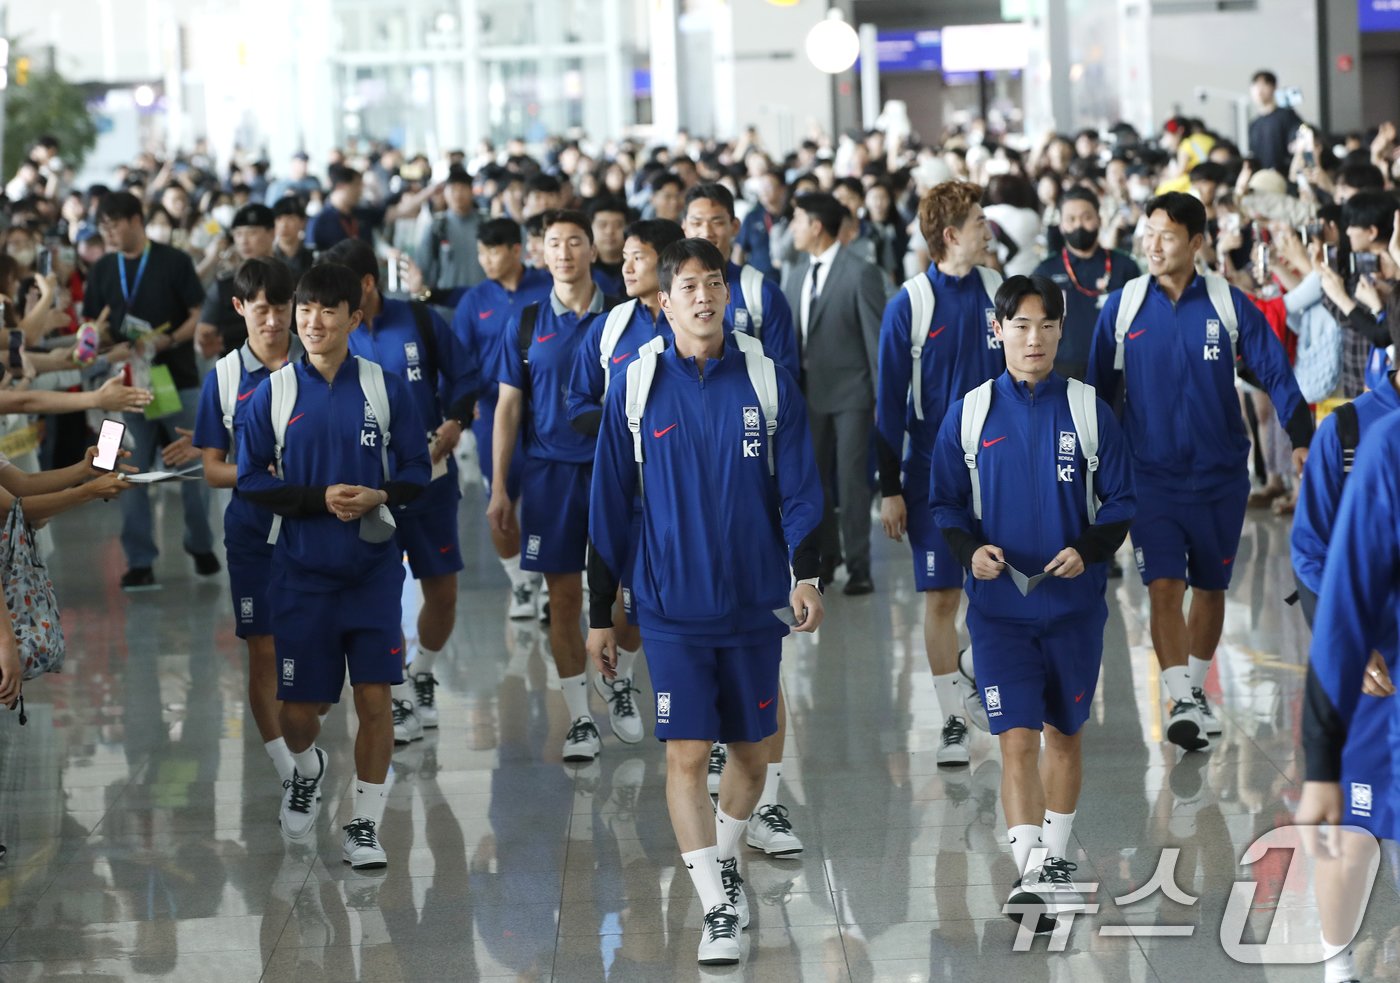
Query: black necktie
x,y
813,291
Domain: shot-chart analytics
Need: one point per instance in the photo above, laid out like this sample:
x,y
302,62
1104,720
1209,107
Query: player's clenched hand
x,y
602,649
988,562
807,607
1067,563
894,516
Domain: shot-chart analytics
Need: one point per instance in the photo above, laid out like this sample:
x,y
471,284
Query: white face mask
x,y
159,233
23,255
1139,192
313,208
223,214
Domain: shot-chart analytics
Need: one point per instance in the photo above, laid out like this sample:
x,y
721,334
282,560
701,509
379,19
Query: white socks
x,y
1339,963
1024,840
728,829
945,687
626,662
703,867
1177,680
424,660
770,785
308,762
576,695
369,801
1198,669
513,571
281,757
1054,832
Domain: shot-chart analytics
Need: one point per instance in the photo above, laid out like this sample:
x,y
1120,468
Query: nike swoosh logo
x,y
1079,697
444,549
1227,561
689,866
989,443
243,396
662,433
295,419
485,314
396,651
934,334
765,704
1133,335
542,338
622,358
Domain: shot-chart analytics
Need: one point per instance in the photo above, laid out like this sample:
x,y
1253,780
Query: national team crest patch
x,y
369,413
663,705
410,351
992,697
1212,331
751,420
1067,442
289,670
532,546
741,320
245,608
930,558
1360,799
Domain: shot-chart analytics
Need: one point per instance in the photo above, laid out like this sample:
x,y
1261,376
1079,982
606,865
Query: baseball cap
x,y
254,214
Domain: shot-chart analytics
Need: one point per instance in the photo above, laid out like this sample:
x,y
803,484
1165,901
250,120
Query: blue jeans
x,y
149,437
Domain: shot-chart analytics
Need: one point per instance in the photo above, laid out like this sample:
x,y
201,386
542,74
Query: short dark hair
x,y
610,204
665,178
458,175
568,216
1264,75
1367,208
1015,289
329,285
851,184
1181,208
498,232
1361,176
710,191
534,225
543,183
118,205
1208,170
682,251
339,175
270,277
658,233
824,208
1080,193
356,254
288,205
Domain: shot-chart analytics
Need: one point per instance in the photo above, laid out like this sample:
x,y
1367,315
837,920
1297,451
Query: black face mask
x,y
1081,238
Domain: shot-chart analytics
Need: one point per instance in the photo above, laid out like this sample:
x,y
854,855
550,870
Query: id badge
x,y
135,328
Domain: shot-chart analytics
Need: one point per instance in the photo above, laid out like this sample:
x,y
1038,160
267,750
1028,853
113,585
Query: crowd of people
x,y
688,368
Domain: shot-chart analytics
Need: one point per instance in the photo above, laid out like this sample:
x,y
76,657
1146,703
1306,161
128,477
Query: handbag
x,y
30,597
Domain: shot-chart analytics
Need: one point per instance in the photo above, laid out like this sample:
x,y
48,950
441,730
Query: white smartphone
x,y
109,445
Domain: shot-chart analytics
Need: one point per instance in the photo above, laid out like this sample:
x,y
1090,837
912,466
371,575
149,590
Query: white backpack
x,y
751,280
228,371
618,319
642,372
284,400
1135,292
1082,410
921,303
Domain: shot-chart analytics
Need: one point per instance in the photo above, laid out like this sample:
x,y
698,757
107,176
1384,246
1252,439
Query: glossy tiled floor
x,y
141,812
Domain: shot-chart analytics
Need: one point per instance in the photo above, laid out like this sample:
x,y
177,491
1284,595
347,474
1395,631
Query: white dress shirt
x,y
825,260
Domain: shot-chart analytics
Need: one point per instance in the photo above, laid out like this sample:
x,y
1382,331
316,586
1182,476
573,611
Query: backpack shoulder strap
x,y
640,375
763,376
228,372
1084,410
284,400
1224,303
372,385
976,405
1133,294
618,319
1348,435
991,281
423,318
527,329
921,301
752,282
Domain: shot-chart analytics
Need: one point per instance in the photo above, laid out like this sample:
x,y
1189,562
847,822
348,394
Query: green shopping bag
x,y
167,397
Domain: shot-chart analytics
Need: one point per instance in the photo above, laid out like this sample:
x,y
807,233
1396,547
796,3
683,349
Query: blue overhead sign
x,y
1378,15
910,51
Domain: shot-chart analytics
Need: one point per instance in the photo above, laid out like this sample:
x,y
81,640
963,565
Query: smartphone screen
x,y
109,445
45,261
16,351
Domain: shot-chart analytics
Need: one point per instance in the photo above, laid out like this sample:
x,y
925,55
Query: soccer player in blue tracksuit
x,y
479,323
412,342
721,539
960,352
1356,612
1190,450
262,295
336,580
1038,653
709,215
558,458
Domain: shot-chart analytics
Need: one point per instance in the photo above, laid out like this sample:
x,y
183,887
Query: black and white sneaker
x,y
626,720
953,753
1187,727
1213,727
407,725
301,802
522,601
361,849
770,830
719,939
718,756
582,744
1043,893
734,889
425,698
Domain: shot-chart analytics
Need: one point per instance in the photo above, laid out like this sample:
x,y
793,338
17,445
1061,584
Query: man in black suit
x,y
837,299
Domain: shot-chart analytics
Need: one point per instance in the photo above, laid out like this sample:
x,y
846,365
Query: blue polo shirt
x,y
481,318
586,381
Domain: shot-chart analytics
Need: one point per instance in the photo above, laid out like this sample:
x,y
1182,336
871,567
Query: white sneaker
x,y
542,602
734,889
1213,727
407,725
582,744
719,939
770,831
522,601
1043,893
361,849
972,702
1187,728
301,802
953,752
622,710
718,756
425,698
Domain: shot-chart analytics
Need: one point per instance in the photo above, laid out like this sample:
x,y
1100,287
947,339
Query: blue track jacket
x,y
717,531
1033,502
779,333
480,320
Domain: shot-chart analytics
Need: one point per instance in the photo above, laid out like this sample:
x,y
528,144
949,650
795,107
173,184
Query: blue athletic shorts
x,y
430,540
1367,769
249,572
554,516
482,429
1190,541
1042,673
935,565
705,693
319,636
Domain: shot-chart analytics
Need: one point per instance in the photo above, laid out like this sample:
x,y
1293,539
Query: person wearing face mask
x,y
1086,273
160,227
21,246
